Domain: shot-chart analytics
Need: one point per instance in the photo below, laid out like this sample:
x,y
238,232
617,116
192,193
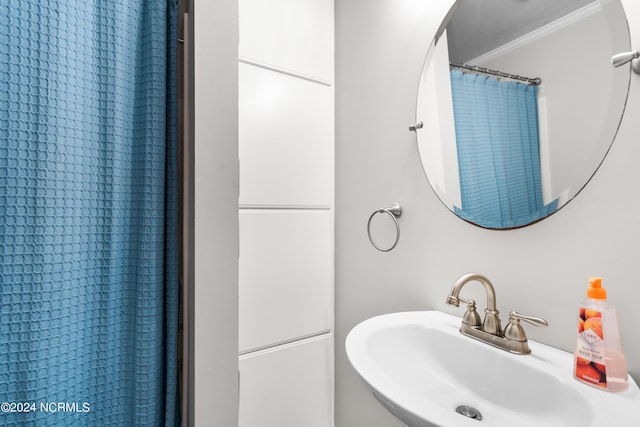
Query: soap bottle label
x,y
590,350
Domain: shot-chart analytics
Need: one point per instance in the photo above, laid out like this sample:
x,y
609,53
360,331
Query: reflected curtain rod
x,y
532,81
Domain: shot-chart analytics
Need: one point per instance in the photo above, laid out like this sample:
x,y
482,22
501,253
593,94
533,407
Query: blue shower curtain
x,y
88,213
498,148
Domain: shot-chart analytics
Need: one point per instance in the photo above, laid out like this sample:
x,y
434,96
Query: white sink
x,y
419,366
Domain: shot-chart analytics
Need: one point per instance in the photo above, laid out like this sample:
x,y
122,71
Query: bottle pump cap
x,y
596,291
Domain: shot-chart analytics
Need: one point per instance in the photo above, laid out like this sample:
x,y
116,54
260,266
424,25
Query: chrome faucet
x,y
512,339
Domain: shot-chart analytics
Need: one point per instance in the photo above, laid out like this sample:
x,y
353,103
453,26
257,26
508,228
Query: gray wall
x,y
539,270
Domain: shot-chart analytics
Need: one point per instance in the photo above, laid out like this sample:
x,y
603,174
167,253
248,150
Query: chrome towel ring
x,y
394,211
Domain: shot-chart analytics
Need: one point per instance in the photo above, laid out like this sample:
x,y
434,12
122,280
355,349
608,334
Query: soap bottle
x,y
599,358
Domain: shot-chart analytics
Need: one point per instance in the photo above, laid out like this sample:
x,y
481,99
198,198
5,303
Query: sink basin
x,y
419,366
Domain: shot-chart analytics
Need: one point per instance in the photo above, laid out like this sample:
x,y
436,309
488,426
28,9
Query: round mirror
x,y
520,105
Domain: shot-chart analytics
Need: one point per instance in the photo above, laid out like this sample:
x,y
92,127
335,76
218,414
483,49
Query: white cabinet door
x,y
288,387
296,35
286,139
286,275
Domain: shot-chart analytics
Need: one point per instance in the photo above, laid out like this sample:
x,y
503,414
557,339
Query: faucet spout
x,y
454,295
491,323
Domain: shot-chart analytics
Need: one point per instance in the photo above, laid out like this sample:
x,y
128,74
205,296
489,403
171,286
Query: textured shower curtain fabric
x,y
498,147
88,213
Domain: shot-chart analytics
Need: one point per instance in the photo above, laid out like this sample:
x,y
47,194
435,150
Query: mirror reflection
x,y
520,104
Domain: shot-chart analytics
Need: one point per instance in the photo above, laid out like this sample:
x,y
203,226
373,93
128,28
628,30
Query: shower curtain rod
x,y
532,81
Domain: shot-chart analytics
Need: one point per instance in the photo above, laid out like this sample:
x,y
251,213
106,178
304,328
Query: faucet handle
x,y
514,331
471,316
536,321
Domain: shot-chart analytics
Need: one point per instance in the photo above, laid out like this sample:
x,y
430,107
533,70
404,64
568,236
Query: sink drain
x,y
469,412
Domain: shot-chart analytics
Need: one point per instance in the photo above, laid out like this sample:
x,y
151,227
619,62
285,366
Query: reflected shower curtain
x,y
88,213
498,151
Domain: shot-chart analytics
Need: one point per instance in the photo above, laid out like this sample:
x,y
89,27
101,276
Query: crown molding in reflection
x,y
541,32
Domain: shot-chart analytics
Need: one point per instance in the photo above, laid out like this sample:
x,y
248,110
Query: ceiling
x,y
479,26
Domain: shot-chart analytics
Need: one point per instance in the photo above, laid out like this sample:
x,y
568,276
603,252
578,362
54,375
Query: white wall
x,y
286,213
539,270
213,265
437,143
